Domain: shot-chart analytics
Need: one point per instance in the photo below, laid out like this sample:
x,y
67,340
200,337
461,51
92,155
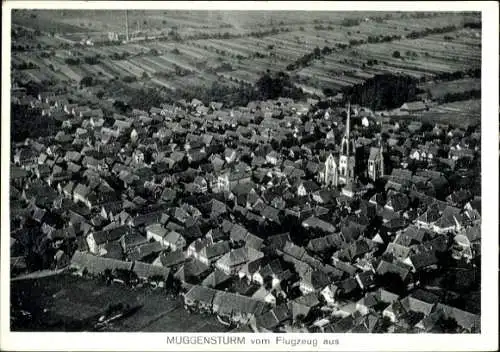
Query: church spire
x,y
348,123
346,140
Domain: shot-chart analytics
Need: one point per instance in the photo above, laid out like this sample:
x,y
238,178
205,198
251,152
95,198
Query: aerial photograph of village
x,y
245,171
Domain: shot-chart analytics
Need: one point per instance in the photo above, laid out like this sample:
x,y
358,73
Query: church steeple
x,y
347,146
348,123
347,158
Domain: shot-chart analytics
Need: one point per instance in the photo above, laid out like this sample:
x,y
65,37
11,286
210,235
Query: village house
x,y
234,260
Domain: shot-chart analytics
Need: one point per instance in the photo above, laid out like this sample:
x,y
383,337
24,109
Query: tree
x,y
299,320
317,52
382,325
86,81
396,54
447,325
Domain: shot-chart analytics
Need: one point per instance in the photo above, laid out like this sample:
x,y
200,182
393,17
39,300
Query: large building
x,y
347,159
342,172
376,162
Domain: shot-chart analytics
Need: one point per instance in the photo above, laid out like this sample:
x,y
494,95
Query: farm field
x,y
439,89
460,113
420,58
424,46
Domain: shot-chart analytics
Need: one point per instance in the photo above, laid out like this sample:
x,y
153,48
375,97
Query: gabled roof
x,y
201,294
423,259
157,229
473,233
430,216
173,237
345,267
144,250
348,285
425,296
415,305
240,256
230,303
316,278
279,240
308,300
386,296
268,320
293,250
216,250
113,234
238,233
172,258
216,278
253,241
386,267
465,319
192,268
97,265
410,235
366,278
144,270
397,250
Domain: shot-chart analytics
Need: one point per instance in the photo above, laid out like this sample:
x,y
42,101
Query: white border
x,y
487,340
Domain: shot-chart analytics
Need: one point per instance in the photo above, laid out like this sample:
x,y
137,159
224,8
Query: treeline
x,y
459,96
386,91
25,66
350,22
90,60
382,38
317,53
473,25
451,76
429,31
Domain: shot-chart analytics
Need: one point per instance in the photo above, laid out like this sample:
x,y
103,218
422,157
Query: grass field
x,y
460,113
58,301
440,89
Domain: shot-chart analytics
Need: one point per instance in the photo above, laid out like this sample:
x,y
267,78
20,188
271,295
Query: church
x,y
340,171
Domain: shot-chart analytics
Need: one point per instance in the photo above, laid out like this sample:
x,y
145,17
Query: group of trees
x,y
429,31
386,91
90,60
174,34
272,86
458,96
25,65
307,59
29,123
350,22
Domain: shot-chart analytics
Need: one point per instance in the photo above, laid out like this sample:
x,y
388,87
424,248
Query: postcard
x,y
250,176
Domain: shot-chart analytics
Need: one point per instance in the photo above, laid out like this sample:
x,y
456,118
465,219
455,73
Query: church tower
x,y
331,172
376,162
347,158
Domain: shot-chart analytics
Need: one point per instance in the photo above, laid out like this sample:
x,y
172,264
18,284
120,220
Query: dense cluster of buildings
x,y
280,215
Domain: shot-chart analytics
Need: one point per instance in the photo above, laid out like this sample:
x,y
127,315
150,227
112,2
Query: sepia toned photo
x,y
245,171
